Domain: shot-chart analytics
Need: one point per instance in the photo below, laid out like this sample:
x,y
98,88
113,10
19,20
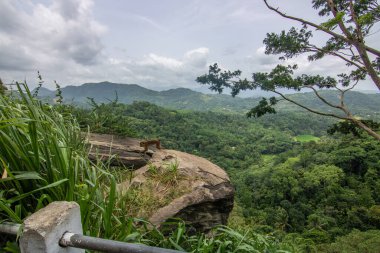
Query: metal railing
x,y
93,243
9,228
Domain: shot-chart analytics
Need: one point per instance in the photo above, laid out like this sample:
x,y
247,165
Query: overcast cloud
x,y
156,44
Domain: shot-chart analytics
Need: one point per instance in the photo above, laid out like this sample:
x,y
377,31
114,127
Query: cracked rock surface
x,y
119,151
208,199
182,185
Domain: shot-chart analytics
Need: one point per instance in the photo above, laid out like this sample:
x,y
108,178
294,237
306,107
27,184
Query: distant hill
x,y
186,99
358,102
179,98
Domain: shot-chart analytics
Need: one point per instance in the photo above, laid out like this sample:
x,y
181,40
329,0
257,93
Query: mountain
x,y
43,92
179,98
186,99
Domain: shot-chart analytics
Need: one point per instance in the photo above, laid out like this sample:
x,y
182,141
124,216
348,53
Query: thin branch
x,y
318,27
349,117
360,46
342,27
309,109
322,98
353,86
349,61
355,19
346,54
317,49
352,51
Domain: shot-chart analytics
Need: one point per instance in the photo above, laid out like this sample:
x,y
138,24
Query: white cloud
x,y
47,36
64,42
328,65
156,71
73,9
197,57
264,60
153,60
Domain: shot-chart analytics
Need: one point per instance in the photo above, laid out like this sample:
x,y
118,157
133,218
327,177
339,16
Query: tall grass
x,y
45,160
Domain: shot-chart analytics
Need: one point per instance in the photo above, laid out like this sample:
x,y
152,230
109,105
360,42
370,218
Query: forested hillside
x,y
231,137
285,183
186,99
293,181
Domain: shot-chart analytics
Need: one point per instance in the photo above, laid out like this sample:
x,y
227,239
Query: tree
x,y
348,24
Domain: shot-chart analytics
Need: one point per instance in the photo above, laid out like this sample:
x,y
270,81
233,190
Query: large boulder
x,y
175,184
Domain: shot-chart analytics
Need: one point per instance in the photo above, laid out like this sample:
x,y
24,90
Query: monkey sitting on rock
x,y
147,143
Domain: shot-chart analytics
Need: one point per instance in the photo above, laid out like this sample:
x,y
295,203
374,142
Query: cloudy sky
x,y
157,44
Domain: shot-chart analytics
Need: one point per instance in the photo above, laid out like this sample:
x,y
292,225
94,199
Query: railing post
x,y
44,229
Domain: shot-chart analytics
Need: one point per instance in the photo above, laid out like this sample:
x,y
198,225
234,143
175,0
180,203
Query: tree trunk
x,y
366,128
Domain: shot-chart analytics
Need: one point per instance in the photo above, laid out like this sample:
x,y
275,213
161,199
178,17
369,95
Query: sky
x,y
156,44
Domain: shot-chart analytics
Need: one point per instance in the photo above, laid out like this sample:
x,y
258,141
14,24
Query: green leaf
x,y
55,184
331,23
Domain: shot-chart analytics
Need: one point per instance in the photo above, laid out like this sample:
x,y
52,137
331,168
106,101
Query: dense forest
x,y
291,177
305,182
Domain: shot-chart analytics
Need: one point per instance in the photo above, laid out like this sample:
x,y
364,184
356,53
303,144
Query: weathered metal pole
x,y
93,243
9,228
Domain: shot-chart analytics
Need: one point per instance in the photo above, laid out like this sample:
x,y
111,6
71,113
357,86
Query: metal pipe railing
x,y
92,243
9,228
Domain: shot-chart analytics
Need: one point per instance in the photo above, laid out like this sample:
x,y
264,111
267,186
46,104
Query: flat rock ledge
x,y
118,151
176,184
206,193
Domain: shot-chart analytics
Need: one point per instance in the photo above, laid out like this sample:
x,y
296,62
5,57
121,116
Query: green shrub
x,y
45,160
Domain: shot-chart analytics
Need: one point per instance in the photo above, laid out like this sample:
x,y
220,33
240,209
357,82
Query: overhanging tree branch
x,y
357,41
349,117
318,27
317,49
322,98
309,109
296,42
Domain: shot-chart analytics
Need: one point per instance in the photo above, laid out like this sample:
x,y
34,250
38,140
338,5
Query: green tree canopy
x,y
347,25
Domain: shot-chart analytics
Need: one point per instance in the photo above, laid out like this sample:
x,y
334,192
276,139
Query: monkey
x,y
146,144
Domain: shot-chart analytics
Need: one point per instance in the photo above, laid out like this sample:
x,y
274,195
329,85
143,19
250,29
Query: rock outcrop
x,y
169,184
119,151
206,194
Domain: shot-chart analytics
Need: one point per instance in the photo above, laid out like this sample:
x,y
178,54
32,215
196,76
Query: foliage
x,y
297,194
346,127
317,191
105,118
322,190
346,32
2,87
159,189
224,239
306,138
45,160
356,241
220,137
364,105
